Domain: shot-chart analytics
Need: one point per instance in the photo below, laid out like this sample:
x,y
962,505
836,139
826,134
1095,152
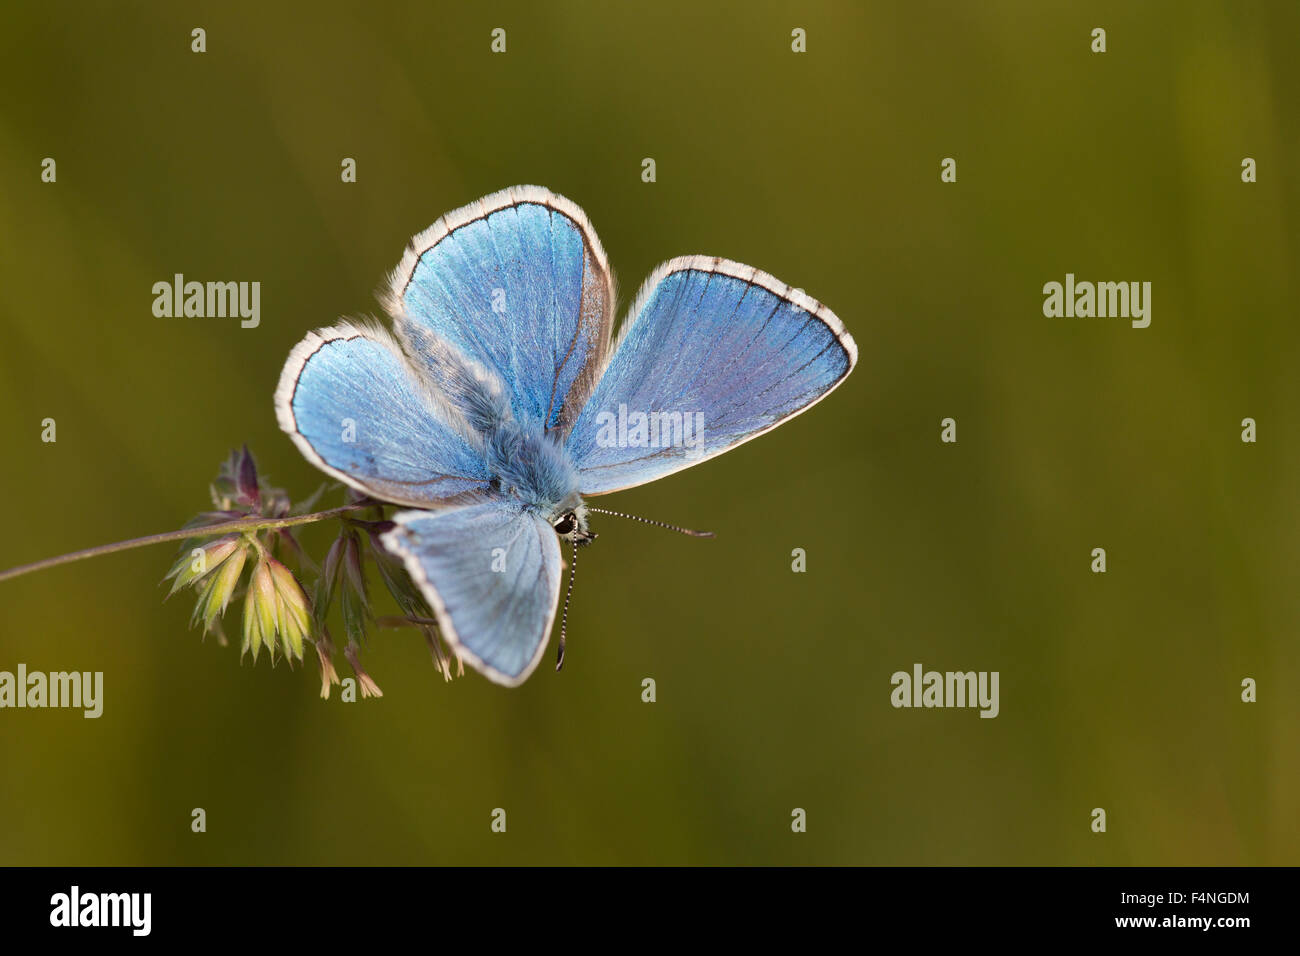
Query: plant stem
x,y
406,621
202,531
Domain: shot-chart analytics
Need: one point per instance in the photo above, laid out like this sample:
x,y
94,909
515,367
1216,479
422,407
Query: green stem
x,y
203,531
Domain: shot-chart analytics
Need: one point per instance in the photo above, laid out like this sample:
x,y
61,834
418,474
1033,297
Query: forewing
x,y
519,283
709,343
491,573
356,409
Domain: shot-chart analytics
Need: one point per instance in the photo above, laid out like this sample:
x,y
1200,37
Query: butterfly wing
x,y
357,409
519,283
709,342
492,574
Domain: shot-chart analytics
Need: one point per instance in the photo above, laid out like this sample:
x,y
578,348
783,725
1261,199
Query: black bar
x,y
338,905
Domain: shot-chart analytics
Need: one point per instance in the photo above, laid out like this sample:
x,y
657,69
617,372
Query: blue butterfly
x,y
501,401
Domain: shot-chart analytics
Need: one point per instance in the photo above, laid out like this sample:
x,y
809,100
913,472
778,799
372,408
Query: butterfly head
x,y
571,523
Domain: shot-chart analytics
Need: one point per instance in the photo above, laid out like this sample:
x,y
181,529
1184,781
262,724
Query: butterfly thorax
x,y
527,464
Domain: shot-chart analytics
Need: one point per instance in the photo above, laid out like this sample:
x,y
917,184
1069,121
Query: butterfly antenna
x,y
564,619
660,524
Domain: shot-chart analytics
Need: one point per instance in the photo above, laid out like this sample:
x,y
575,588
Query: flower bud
x,y
260,610
368,687
216,589
195,564
293,613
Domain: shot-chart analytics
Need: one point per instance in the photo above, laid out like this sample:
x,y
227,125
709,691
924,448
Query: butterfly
x,y
501,400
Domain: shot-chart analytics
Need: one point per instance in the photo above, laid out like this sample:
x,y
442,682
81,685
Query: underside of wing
x,y
519,283
714,353
491,573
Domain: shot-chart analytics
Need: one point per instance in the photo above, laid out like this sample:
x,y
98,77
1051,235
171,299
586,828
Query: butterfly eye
x,y
565,524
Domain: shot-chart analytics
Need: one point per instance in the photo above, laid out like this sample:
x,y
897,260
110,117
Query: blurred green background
x,y
1118,691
